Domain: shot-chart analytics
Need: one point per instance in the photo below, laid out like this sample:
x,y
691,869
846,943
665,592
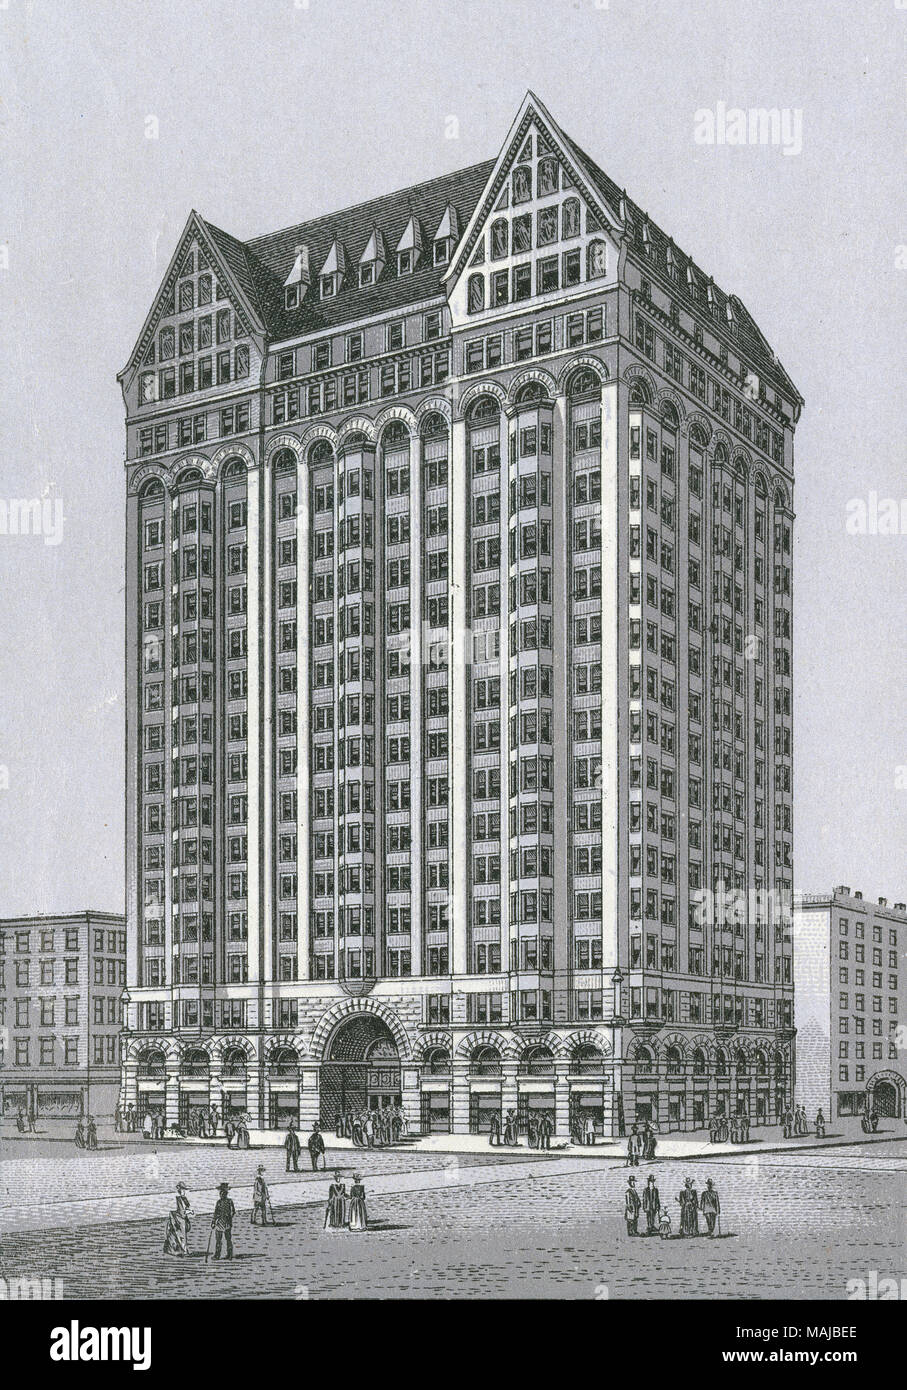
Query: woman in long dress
x,y
335,1215
179,1225
358,1215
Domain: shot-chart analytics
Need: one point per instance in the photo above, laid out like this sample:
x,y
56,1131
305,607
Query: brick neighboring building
x,y
61,981
458,615
850,967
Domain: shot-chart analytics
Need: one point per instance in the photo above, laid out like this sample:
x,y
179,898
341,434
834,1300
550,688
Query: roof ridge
x,y
366,202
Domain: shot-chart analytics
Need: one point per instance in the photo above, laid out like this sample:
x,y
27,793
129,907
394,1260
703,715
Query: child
x,y
664,1224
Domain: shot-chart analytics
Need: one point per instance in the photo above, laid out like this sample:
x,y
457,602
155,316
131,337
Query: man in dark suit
x,y
651,1205
293,1147
631,1207
222,1224
316,1146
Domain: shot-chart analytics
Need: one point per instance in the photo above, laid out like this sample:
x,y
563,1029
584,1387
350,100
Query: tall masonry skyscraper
x,y
459,667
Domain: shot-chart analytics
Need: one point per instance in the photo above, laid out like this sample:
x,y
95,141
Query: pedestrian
x,y
820,1125
651,1143
91,1133
335,1214
397,1123
588,1130
511,1135
651,1205
222,1222
356,1132
130,1118
664,1224
293,1147
633,1147
147,1123
631,1207
494,1129
787,1121
261,1199
229,1131
358,1220
546,1129
32,1123
533,1132
710,1206
689,1209
80,1134
176,1241
242,1133
20,1121
118,1118
316,1146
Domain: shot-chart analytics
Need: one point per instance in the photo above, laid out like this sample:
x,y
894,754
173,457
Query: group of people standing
x,y
372,1129
346,1210
539,1129
640,1146
737,1128
26,1123
657,1216
794,1121
86,1135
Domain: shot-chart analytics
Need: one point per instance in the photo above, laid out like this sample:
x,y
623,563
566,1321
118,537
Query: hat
x,y
633,1180
261,1167
357,1177
181,1187
223,1187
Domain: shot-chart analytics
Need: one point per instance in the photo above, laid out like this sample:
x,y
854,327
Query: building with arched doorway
x,y
447,516
851,1000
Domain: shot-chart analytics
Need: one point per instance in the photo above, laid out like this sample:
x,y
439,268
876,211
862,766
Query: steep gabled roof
x,y
270,258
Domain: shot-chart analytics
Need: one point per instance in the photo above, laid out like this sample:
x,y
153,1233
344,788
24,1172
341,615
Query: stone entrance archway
x,y
361,1069
887,1093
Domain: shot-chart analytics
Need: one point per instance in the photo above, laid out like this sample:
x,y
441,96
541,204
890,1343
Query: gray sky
x,y
274,111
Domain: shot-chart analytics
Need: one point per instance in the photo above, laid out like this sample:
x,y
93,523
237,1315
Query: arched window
x,y
698,437
235,469
570,218
485,1061
500,239
196,1063
741,1063
522,183
699,1063
531,394
669,415
321,453
396,433
476,294
596,259
151,490
284,1062
674,1062
234,1064
284,461
483,411
721,454
152,1064
721,1064
587,1060
645,1061
537,1061
639,392
188,478
547,176
760,1064
437,1062
433,425
583,382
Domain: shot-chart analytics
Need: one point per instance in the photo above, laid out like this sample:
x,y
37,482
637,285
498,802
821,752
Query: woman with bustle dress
x,y
179,1225
335,1215
358,1217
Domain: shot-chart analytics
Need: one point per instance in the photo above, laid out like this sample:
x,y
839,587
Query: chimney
x,y
843,890
859,895
900,907
883,902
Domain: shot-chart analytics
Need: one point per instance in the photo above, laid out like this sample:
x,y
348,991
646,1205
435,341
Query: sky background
x,y
273,111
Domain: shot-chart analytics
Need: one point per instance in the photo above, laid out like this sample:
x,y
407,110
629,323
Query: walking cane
x,y
271,1210
210,1234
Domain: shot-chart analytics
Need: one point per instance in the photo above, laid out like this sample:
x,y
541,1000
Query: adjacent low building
x,y
851,1002
61,981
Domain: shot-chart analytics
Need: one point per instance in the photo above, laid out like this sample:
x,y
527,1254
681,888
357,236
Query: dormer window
x,y
408,248
372,260
329,286
405,262
332,272
291,297
443,250
446,236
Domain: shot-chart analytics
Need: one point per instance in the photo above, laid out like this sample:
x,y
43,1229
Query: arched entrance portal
x,y
361,1069
886,1094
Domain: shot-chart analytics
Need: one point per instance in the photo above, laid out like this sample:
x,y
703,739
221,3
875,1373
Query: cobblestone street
x,y
793,1226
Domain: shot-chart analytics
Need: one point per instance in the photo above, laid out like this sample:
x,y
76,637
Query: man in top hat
x,y
222,1223
710,1206
292,1146
260,1199
651,1205
632,1205
316,1146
